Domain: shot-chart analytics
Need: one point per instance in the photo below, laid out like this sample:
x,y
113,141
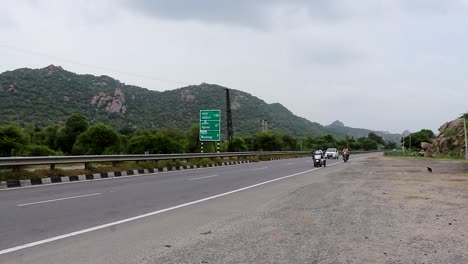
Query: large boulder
x,y
443,145
451,139
426,145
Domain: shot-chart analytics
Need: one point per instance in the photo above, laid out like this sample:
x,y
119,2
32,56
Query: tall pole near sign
x,y
465,116
230,131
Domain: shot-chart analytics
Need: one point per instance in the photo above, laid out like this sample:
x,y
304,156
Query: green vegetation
x,y
46,97
415,154
425,135
77,138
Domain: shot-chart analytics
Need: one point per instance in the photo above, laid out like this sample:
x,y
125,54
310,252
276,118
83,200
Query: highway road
x,y
34,214
159,218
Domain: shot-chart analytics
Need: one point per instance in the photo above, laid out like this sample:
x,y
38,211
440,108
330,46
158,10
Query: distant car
x,y
332,153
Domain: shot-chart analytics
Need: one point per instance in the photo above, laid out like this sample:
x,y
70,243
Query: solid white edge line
x,y
60,199
83,231
204,177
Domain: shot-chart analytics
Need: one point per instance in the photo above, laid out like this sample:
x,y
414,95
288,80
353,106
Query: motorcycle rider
x,y
318,158
319,151
345,149
345,152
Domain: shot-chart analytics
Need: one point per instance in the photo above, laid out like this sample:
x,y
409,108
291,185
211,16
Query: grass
x,y
415,155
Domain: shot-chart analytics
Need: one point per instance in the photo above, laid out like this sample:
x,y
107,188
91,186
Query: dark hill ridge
x,y
340,130
48,95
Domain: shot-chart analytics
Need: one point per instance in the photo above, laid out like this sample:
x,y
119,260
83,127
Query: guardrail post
x,y
87,166
115,164
52,167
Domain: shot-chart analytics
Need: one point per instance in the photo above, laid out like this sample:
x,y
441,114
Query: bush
x,y
38,150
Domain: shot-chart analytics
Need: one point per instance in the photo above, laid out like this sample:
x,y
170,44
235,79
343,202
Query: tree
x,y
12,140
289,142
424,135
154,143
238,144
390,145
268,141
96,140
376,138
192,140
367,144
51,136
74,126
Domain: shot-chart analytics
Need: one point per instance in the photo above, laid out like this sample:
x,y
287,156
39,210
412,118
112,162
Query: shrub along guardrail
x,y
88,159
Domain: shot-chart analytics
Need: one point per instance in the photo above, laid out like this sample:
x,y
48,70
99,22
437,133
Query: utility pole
x,y
410,143
466,138
230,130
403,145
264,125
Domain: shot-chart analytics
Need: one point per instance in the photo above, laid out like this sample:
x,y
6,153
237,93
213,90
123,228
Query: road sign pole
x,y
217,147
201,147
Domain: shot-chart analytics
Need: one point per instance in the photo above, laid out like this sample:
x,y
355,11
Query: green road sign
x,y
209,135
210,125
213,115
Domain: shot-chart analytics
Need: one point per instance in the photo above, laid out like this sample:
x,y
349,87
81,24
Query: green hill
x,y
48,95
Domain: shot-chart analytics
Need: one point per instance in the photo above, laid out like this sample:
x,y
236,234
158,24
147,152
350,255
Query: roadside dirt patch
x,y
369,211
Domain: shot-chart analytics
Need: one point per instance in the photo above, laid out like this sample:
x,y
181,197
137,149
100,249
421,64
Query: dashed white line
x,y
290,163
262,168
204,177
59,199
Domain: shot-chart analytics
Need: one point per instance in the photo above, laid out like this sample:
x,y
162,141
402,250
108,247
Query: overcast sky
x,y
378,64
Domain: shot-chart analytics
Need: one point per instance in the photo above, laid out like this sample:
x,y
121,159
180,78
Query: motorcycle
x,y
319,161
345,156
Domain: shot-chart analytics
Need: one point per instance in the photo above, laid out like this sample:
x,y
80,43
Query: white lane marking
x,y
60,199
124,177
76,233
204,177
150,174
290,163
262,168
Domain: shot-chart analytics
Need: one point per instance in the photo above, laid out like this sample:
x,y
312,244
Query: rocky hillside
x,y
450,141
339,129
48,95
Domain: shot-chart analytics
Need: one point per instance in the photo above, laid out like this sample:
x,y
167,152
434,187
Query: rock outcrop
x,y
111,103
451,140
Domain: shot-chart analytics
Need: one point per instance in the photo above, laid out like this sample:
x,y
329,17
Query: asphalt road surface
x,y
369,210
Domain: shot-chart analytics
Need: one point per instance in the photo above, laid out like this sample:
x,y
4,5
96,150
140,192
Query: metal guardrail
x,y
52,160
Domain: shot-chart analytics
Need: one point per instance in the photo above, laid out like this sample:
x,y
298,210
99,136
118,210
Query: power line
x,y
41,54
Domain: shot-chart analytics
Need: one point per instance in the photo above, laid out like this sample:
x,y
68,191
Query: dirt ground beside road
x,y
375,210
